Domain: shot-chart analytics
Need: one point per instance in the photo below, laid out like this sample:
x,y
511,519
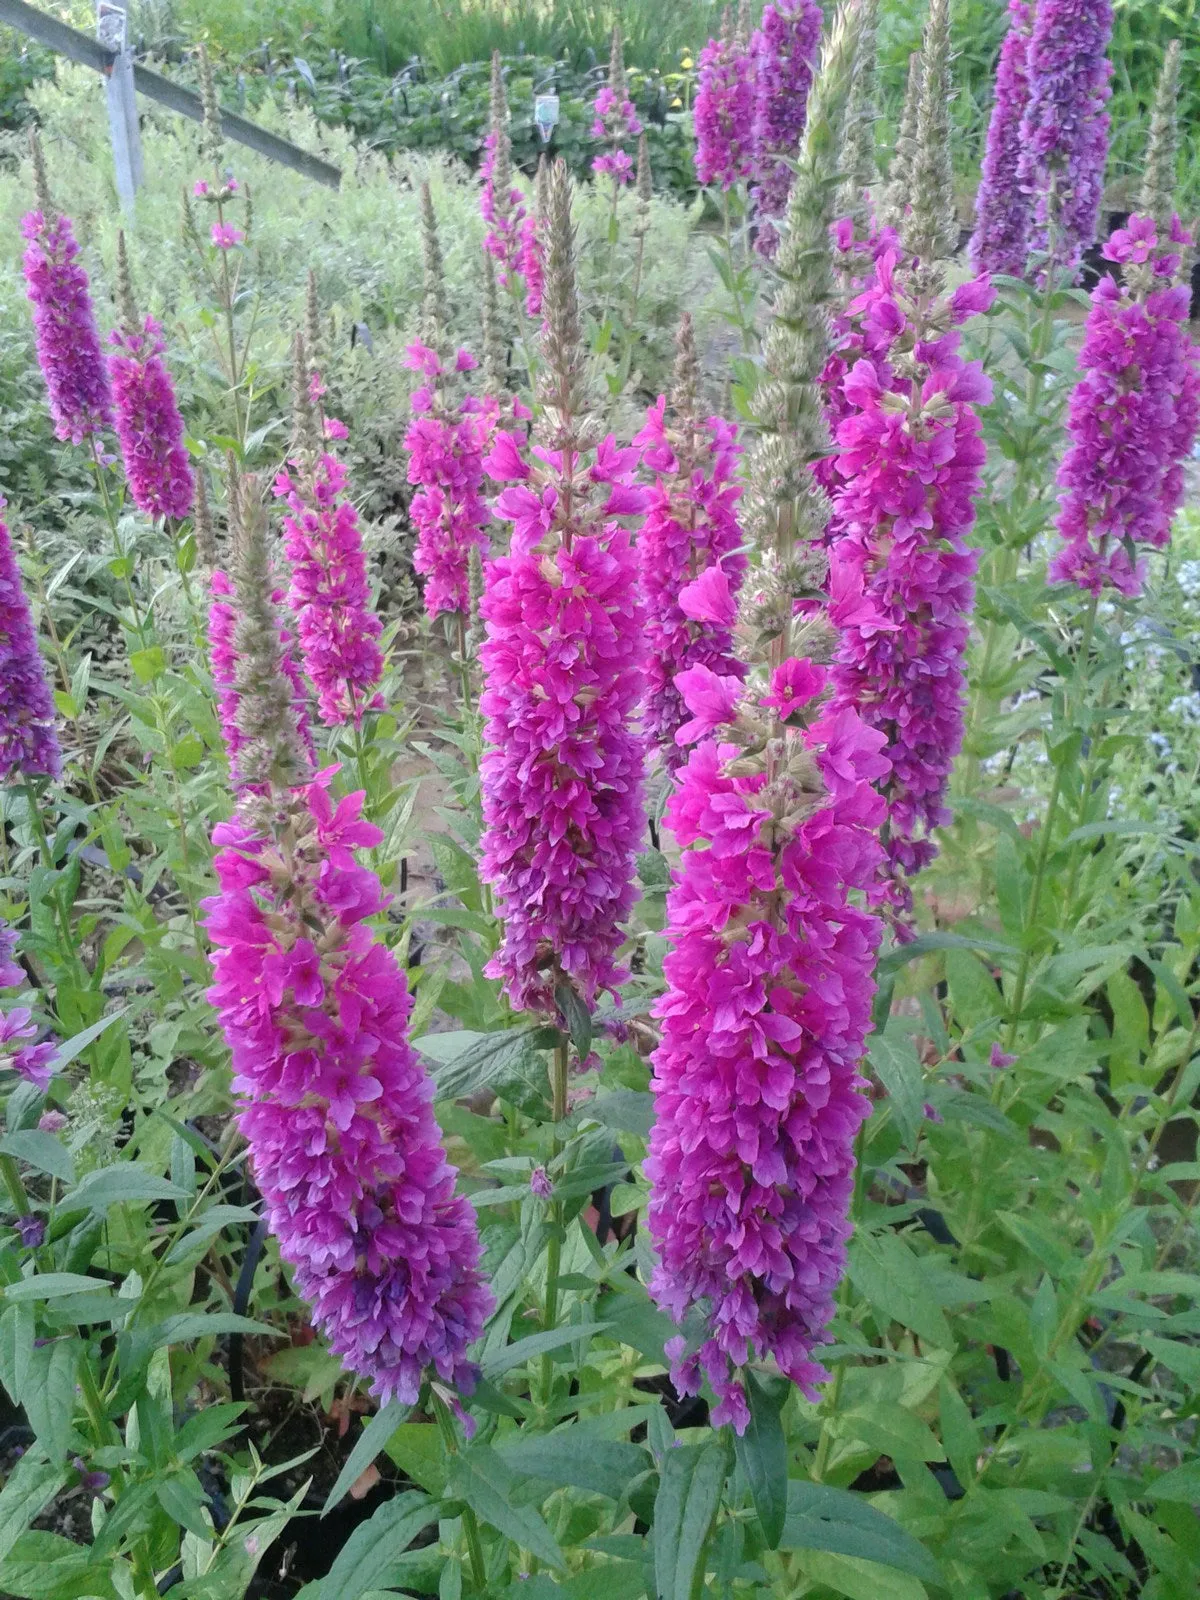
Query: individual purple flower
x,y
333,1101
909,464
149,427
30,1230
94,1482
1064,131
756,1086
562,662
225,236
1000,1059
446,443
29,745
223,662
691,530
1003,206
540,1184
1132,417
723,114
784,49
32,1059
337,629
12,974
68,344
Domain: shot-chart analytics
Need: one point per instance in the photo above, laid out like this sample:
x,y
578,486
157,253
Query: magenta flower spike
x,y
689,550
1003,207
902,575
333,1100
68,344
784,51
562,662
615,119
29,745
767,1006
723,114
1132,417
447,441
501,203
1064,131
149,427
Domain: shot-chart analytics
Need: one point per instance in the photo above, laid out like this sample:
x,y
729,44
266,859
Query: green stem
x,y
112,517
16,1189
558,1096
469,1520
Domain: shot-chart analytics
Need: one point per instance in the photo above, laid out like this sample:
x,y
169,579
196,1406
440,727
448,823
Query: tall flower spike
x,y
306,430
614,118
643,188
1003,209
433,274
149,427
266,726
786,511
860,164
333,1102
785,48
28,738
494,363
501,205
930,229
899,176
689,547
314,338
1157,197
1132,417
212,141
723,114
329,593
68,344
1064,134
562,661
203,526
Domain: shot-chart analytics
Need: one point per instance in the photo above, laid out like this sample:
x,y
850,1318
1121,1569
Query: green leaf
x,y
860,1579
1182,1484
199,1325
53,1285
895,1063
578,1017
208,1224
762,1453
577,1456
74,1046
45,1566
120,1185
482,1479
821,1518
417,1449
40,1150
689,1492
535,1344
482,1061
31,1486
624,1111
50,1396
148,664
182,1498
364,1563
17,1333
885,1270
373,1439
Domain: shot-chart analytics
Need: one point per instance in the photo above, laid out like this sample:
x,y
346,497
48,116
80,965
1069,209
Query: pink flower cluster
x,y
223,660
334,1103
532,265
767,1006
562,662
1132,417
723,115
28,738
617,121
329,595
690,539
909,464
505,231
35,1062
446,443
149,426
68,345
1003,206
785,47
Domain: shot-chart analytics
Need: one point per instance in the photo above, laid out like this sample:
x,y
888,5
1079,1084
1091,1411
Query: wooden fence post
x,y
112,30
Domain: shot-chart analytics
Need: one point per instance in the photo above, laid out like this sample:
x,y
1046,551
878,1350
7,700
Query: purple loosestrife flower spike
x,y
501,204
562,664
723,114
333,1101
28,737
767,1006
784,49
614,118
909,465
261,698
859,162
1132,417
68,344
691,536
1064,133
34,1060
1003,208
149,427
898,191
329,593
